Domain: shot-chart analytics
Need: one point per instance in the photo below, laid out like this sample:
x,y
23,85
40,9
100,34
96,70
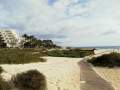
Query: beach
x,y
61,73
111,75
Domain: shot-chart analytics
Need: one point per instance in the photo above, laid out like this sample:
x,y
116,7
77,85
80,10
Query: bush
x,y
106,60
20,56
43,60
1,70
75,53
4,85
30,80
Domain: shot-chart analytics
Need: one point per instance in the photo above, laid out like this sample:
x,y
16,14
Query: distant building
x,y
9,38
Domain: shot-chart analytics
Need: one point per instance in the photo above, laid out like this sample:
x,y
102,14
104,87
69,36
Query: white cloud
x,y
80,23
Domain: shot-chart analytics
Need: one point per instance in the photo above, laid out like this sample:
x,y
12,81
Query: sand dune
x,y
111,75
61,73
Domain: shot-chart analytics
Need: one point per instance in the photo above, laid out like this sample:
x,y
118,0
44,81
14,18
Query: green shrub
x,y
30,80
1,70
43,60
75,53
20,56
106,60
4,85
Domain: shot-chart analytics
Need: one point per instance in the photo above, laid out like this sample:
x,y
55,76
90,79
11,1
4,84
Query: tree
x,y
39,43
25,36
48,44
2,43
31,41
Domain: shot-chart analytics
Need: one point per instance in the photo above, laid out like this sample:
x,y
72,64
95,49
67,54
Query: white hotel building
x,y
9,37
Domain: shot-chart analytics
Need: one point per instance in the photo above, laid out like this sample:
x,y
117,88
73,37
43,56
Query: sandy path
x,y
61,73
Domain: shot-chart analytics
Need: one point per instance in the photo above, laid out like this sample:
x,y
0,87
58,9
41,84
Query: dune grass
x,y
20,56
74,53
30,80
107,60
3,84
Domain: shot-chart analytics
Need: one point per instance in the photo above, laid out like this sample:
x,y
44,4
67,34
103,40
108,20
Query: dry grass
x,y
112,75
20,56
30,80
106,60
74,53
3,84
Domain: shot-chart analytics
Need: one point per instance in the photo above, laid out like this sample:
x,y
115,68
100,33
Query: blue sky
x,y
51,2
66,22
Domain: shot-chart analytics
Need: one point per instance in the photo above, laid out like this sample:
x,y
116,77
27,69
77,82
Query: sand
x,y
111,75
61,73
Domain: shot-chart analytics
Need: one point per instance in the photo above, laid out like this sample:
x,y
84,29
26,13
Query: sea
x,y
102,47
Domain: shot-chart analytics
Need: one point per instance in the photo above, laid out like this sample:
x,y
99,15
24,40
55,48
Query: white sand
x,y
61,73
111,75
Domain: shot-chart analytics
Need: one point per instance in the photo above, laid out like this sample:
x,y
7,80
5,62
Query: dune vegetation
x,y
74,53
106,60
30,55
3,84
20,56
30,80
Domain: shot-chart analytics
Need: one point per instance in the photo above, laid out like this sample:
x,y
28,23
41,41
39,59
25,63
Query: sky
x,y
66,22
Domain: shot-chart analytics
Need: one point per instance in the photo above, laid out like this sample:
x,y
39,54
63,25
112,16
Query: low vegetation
x,y
1,70
30,80
106,60
75,53
20,56
3,84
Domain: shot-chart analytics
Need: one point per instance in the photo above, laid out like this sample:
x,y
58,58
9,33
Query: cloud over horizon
x,y
71,22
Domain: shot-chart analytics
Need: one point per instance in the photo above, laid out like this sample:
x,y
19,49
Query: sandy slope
x,y
61,73
111,75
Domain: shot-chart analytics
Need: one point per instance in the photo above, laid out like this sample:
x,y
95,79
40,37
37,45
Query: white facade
x,y
10,37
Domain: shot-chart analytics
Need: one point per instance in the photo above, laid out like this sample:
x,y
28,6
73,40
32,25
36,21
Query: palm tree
x,y
2,43
48,44
30,41
25,36
39,43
